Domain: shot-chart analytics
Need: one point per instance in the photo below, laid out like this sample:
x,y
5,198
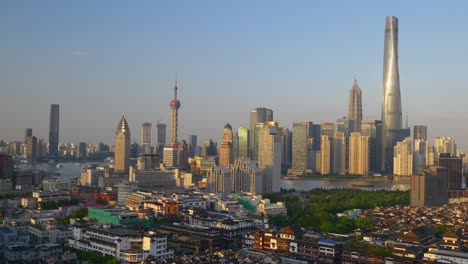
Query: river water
x,y
73,169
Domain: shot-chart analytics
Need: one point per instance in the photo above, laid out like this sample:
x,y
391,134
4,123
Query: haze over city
x,y
99,60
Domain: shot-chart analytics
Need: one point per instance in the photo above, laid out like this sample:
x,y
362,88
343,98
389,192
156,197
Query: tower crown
x,y
122,126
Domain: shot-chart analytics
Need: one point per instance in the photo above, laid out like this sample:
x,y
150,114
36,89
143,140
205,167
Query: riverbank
x,y
337,178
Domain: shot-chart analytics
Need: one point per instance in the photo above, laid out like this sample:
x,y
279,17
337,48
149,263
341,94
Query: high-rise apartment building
x,y
338,154
373,129
429,188
122,147
392,126
325,155
355,106
226,154
419,132
219,180
445,145
54,130
429,155
403,158
301,132
246,176
454,167
269,156
359,154
419,155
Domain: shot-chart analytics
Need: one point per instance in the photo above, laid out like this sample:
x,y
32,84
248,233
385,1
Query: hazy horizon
x,y
100,60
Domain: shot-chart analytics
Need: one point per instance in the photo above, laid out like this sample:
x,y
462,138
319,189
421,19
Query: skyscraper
x,y
258,115
226,156
160,139
327,128
192,141
286,148
269,156
419,132
301,132
419,155
355,105
146,133
27,133
161,133
54,130
243,134
31,148
392,130
122,147
145,137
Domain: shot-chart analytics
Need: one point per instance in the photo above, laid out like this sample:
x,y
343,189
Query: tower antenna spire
x,y
175,87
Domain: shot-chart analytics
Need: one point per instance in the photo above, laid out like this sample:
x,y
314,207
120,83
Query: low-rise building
x,y
56,184
122,217
12,236
127,245
43,231
446,256
17,253
271,209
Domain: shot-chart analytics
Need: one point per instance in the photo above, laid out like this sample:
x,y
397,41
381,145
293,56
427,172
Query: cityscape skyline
x,y
299,105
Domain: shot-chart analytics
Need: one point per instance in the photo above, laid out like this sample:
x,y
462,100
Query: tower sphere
x,y
175,104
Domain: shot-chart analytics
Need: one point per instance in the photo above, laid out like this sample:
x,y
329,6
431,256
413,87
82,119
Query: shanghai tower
x,y
392,130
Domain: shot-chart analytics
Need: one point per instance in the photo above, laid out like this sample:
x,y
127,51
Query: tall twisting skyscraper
x,y
54,130
355,105
392,131
122,147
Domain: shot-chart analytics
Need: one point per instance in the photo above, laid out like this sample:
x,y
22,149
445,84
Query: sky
x,y
102,59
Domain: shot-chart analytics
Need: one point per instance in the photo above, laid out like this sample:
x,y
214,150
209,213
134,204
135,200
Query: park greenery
x,y
51,205
80,213
92,257
317,208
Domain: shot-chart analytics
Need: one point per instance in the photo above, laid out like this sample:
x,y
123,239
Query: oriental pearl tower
x,y
175,105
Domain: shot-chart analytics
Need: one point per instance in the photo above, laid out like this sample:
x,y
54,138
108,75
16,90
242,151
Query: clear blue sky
x,y
99,59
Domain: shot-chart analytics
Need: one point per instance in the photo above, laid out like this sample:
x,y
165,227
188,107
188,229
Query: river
x,y
73,169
